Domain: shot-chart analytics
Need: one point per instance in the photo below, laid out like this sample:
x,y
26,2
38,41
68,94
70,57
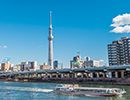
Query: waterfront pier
x,y
110,75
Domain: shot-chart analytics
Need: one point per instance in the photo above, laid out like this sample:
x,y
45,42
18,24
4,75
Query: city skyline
x,y
84,27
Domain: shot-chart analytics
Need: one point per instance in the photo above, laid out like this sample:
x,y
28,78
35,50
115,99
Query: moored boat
x,y
88,91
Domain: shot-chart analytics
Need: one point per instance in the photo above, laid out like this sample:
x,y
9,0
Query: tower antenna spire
x,y
50,19
50,39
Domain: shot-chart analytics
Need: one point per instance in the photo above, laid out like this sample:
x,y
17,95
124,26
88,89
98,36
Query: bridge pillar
x,y
49,75
85,75
30,76
97,74
82,75
103,75
39,75
56,75
122,74
62,75
67,75
116,74
91,75
75,75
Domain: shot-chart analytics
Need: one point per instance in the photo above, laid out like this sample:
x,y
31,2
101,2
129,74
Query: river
x,y
42,91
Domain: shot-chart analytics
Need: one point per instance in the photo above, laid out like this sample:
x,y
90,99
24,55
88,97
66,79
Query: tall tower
x,y
50,39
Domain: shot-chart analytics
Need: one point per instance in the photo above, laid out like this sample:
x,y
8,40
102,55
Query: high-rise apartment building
x,y
119,52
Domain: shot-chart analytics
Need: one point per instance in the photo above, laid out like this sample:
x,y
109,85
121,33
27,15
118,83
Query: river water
x,y
42,91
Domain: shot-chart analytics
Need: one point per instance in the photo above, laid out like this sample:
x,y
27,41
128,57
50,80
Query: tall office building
x,y
77,62
29,65
50,39
55,64
119,52
93,63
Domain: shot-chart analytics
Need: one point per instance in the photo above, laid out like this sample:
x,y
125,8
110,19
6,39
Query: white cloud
x,y
3,46
121,24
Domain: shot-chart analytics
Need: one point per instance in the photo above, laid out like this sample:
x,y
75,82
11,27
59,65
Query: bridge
x,y
113,74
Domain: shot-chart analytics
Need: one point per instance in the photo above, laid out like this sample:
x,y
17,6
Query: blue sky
x,y
78,26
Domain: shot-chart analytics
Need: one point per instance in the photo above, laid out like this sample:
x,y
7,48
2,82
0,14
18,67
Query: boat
x,y
88,91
